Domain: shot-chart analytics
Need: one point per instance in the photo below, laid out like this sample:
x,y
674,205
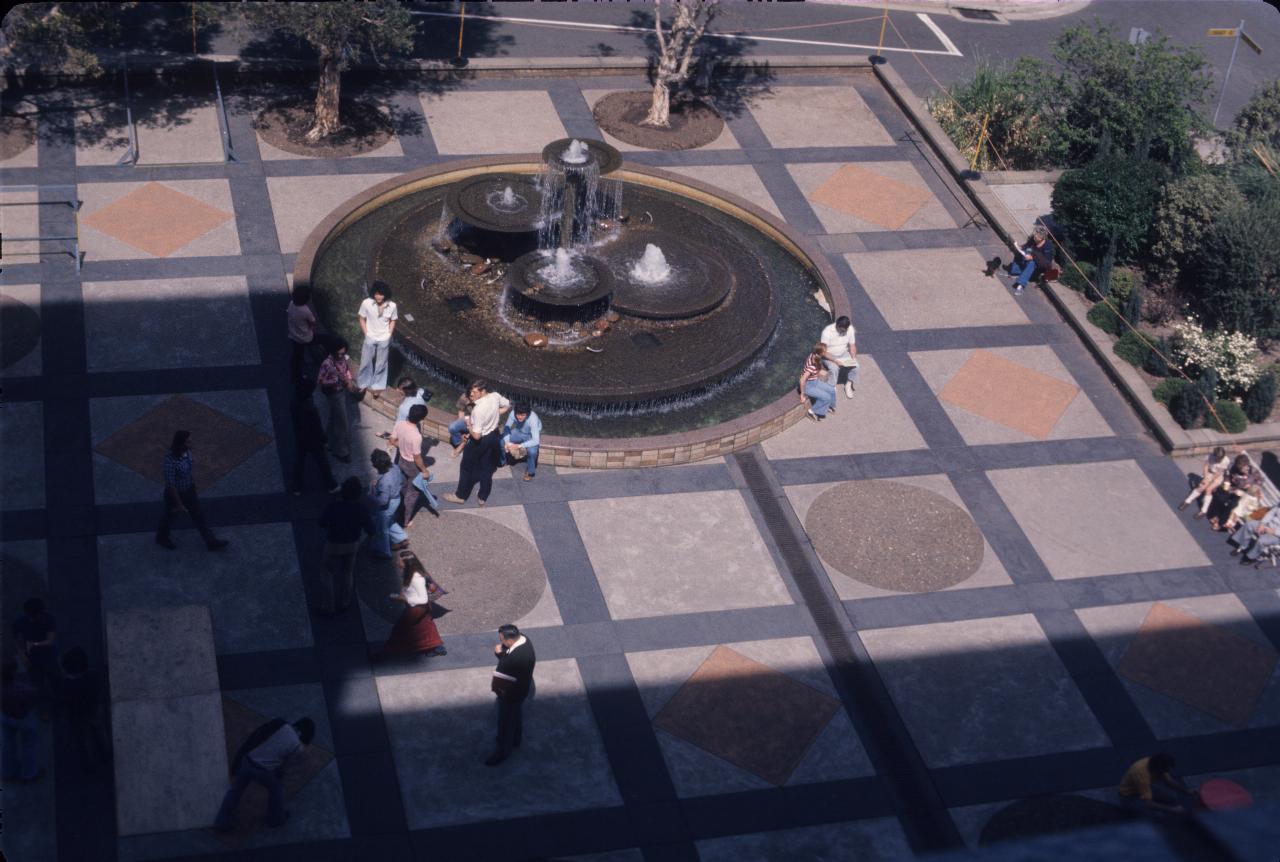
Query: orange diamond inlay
x,y
867,195
157,219
1015,396
1205,666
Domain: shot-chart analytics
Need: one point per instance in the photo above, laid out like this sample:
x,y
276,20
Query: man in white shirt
x,y
483,447
378,318
262,760
842,354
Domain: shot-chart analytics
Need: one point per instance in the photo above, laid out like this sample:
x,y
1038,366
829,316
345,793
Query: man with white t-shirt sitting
x,y
842,354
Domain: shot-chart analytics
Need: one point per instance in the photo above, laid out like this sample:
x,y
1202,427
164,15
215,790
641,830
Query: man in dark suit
x,y
513,684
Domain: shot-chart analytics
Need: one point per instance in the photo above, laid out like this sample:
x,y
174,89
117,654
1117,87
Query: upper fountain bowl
x,y
606,158
482,202
698,281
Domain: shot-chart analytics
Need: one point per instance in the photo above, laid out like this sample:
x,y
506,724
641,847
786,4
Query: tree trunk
x,y
327,93
660,108
1105,267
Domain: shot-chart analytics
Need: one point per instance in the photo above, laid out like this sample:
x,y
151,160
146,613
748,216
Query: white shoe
x,y
848,389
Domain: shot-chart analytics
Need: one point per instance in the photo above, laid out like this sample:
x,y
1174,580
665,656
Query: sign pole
x,y
1226,78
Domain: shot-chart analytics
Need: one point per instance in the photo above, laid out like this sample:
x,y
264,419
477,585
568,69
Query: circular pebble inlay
x,y
19,330
1045,815
493,574
894,536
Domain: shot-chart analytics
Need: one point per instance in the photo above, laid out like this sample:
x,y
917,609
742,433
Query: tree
x,y
1187,209
58,37
1237,270
1106,207
675,52
1146,98
1257,123
1018,100
339,32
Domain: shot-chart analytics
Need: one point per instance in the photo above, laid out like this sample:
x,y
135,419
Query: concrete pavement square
x,y
1009,395
22,455
989,574
176,218
19,218
828,751
161,652
740,180
870,197
1027,202
101,132
1086,520
175,316
879,838
498,121
982,690
935,288
1183,698
818,117
300,203
680,553
20,323
28,156
726,140
874,420
253,587
193,136
442,726
245,465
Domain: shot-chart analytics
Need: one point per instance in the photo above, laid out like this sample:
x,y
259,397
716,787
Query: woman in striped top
x,y
814,384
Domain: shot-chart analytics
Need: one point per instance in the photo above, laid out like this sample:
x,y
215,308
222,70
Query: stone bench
x,y
167,724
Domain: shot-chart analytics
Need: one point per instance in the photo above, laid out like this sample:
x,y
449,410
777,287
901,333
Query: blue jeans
x,y
823,395
1024,270
250,773
388,530
373,364
457,428
20,747
516,436
421,484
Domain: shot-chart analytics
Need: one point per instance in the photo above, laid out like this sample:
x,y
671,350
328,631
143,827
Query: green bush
x,y
1156,362
1133,348
1103,316
1131,307
1078,280
1208,383
1260,398
1237,270
1187,406
1167,388
1188,208
1257,123
1108,205
1018,101
1123,283
1230,415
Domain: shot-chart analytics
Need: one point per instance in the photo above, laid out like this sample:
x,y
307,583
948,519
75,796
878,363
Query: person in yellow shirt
x,y
1150,786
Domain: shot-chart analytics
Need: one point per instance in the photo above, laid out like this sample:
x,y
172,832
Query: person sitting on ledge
x,y
1037,256
1252,537
521,437
1212,475
1238,480
413,394
1150,787
458,427
814,384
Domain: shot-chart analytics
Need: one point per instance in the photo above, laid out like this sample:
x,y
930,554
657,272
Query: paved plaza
x,y
860,639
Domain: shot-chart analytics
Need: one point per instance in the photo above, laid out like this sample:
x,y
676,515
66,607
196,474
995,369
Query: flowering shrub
x,y
1232,355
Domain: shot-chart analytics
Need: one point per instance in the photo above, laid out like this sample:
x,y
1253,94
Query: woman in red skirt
x,y
415,631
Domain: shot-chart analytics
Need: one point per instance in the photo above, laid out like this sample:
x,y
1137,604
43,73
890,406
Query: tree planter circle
x,y
693,124
364,129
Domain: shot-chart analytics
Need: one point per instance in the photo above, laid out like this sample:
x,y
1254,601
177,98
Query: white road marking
x,y
951,51
942,37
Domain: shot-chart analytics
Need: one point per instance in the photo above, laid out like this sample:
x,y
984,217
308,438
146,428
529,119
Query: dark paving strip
x,y
305,167
23,525
575,113
628,735
886,740
164,380
420,147
569,570
938,180
1001,529
748,133
791,202
866,314
20,272
19,177
1264,607
969,337
145,174
915,395
165,267
268,669
680,852
1102,393
543,836
365,847
787,807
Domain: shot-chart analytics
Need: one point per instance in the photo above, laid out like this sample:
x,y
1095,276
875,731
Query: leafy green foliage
x,y
1229,417
1136,98
1257,123
1111,197
1157,362
1017,99
1188,208
58,37
1131,305
1103,316
1076,278
1133,348
1187,406
1260,398
1208,382
342,30
1237,269
1169,387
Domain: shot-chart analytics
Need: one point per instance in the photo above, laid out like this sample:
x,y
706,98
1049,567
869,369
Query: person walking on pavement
x,y
262,760
336,384
384,497
415,631
378,317
36,636
180,495
343,520
407,439
21,753
308,437
480,456
513,685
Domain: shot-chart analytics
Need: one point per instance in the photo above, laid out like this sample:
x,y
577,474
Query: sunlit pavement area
x,y
968,593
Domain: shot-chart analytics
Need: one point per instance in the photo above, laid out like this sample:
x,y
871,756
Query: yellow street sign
x,y
1249,41
1222,31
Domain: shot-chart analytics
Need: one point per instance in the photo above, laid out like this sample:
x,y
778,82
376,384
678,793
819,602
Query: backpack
x,y
259,736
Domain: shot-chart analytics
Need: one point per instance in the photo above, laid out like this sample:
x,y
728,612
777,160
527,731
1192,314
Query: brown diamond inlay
x,y
867,195
1006,392
1205,666
748,714
157,219
239,722
219,443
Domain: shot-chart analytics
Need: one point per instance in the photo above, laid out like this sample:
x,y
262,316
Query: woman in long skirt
x,y
415,631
